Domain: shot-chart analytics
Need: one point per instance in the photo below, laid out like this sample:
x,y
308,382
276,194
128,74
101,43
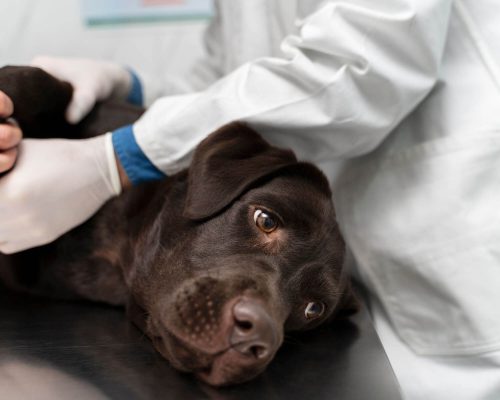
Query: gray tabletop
x,y
60,350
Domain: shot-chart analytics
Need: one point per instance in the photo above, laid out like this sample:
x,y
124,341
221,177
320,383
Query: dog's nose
x,y
254,333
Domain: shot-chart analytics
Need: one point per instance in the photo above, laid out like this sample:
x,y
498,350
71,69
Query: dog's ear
x,y
226,164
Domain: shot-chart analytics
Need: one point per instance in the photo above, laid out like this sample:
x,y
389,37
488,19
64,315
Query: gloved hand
x,y
10,135
92,81
56,185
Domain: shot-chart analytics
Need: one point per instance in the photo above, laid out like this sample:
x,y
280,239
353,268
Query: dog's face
x,y
255,252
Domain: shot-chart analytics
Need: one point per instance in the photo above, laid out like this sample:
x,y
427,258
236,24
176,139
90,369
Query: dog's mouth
x,y
222,368
235,347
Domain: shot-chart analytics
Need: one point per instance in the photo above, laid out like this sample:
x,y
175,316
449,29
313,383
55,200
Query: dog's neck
x,y
126,234
111,246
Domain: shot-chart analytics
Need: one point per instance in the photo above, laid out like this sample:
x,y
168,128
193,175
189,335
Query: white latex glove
x,y
92,81
55,186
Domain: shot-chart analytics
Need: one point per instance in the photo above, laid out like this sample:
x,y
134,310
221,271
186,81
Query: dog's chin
x,y
223,372
218,368
181,356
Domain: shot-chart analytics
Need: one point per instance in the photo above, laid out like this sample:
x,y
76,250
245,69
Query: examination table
x,y
62,350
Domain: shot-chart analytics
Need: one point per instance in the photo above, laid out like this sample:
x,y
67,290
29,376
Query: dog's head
x,y
255,252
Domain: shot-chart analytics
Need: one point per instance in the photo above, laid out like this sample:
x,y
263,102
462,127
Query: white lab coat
x,y
416,173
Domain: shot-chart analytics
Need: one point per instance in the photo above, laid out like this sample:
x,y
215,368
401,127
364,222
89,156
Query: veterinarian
x,y
397,100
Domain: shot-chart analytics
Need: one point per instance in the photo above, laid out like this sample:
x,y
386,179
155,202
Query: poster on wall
x,y
116,12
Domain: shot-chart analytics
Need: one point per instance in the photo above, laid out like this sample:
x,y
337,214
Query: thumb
x,y
81,104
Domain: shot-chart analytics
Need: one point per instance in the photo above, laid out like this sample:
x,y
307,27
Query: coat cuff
x,y
133,160
136,94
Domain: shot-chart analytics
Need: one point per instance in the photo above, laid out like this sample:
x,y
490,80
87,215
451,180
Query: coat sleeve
x,y
351,74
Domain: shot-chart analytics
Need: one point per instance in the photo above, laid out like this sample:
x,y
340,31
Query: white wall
x,y
56,27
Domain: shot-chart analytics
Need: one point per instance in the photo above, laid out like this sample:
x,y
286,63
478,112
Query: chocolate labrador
x,y
214,263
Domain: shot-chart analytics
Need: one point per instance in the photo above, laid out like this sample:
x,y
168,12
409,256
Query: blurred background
x,y
153,36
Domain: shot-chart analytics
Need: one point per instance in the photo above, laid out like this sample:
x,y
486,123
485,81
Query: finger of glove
x,y
6,105
7,248
10,136
11,247
53,65
8,159
81,104
11,241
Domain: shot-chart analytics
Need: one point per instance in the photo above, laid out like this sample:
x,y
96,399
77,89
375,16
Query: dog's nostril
x,y
258,351
244,325
251,317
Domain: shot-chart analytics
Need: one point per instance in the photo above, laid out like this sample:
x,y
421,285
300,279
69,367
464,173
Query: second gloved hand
x,y
55,186
92,81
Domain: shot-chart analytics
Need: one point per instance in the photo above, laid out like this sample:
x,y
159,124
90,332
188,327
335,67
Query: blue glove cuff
x,y
133,160
135,96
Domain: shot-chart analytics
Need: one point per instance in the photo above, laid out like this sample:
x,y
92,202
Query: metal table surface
x,y
61,350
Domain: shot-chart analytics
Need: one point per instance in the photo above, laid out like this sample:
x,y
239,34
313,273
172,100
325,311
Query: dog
x,y
214,264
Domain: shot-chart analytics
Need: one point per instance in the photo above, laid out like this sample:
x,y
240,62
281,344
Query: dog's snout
x,y
254,333
238,335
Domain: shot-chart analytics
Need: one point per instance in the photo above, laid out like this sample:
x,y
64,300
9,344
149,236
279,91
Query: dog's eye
x,y
265,221
314,310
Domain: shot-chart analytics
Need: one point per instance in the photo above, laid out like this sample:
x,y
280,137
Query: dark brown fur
x,y
181,252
